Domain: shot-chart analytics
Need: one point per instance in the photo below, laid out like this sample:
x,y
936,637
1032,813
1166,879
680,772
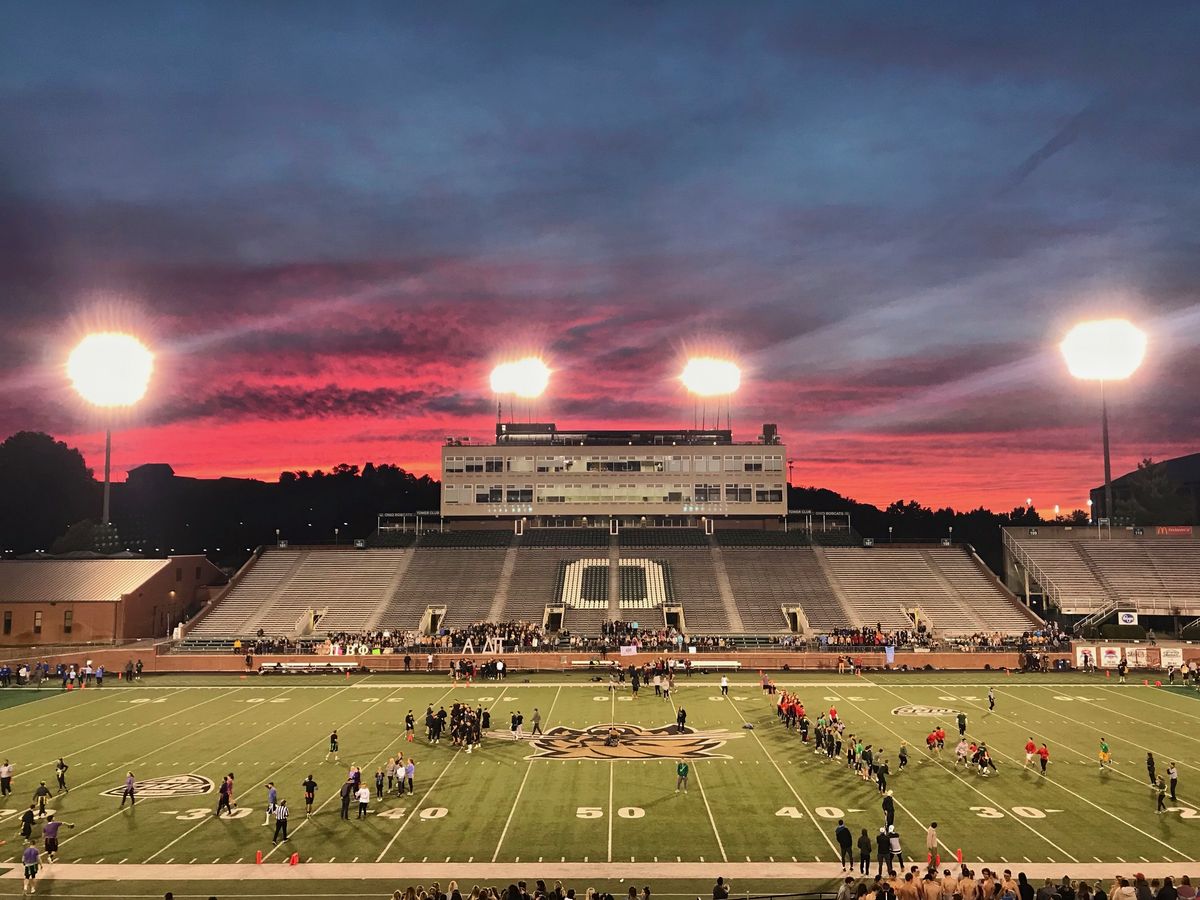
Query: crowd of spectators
x,y
862,638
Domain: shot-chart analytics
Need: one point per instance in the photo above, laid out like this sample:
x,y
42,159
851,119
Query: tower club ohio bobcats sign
x,y
166,786
938,712
633,743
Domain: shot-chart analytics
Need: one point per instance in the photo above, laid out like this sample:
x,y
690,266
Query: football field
x,y
757,795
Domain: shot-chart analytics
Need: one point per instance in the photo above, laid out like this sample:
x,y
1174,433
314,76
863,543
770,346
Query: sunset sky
x,y
331,219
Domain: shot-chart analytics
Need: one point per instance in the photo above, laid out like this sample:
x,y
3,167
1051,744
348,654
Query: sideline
x,y
466,872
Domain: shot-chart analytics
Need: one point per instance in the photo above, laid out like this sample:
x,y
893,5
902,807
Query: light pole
x,y
110,370
1104,350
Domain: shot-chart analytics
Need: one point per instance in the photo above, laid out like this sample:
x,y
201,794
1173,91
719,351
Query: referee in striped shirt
x,y
281,819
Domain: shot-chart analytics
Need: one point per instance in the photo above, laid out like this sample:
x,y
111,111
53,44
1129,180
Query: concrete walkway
x,y
572,873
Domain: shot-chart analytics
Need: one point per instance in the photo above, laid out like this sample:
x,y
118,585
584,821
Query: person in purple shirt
x,y
128,791
30,859
50,833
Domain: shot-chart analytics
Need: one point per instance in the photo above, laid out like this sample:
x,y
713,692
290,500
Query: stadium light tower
x,y
1104,350
110,370
705,376
526,378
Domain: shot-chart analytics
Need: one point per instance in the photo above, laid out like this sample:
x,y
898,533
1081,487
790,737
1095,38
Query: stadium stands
x,y
1084,571
661,537
732,585
753,537
559,538
766,581
264,578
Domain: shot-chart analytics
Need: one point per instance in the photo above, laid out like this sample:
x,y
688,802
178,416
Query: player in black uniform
x,y
333,746
310,791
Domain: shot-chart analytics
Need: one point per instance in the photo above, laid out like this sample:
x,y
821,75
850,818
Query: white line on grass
x,y
786,780
88,724
156,750
1063,787
1085,725
417,808
263,781
611,772
704,797
24,722
517,800
1109,709
949,852
1138,695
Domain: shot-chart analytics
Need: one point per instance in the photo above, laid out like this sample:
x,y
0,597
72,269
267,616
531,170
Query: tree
x,y
1150,496
46,485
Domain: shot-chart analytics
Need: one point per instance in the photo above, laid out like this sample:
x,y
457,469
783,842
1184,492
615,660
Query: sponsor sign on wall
x,y
1084,656
1109,657
1138,657
1174,530
1127,617
1171,656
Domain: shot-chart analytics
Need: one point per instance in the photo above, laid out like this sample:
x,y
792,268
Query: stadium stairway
x,y
375,617
850,614
500,598
249,599
732,613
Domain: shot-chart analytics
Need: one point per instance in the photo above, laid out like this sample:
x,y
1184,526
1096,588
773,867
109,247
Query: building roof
x,y
74,580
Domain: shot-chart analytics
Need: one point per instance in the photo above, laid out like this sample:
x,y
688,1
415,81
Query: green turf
x,y
771,799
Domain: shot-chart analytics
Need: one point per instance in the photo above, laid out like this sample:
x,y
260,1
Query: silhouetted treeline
x,y
45,488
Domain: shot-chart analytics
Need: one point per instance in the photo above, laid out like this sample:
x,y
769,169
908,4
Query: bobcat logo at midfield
x,y
634,743
937,712
166,786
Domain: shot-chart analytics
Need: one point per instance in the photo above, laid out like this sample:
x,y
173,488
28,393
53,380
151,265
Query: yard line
x,y
1139,696
611,779
24,722
1085,725
528,768
124,766
88,724
1063,787
417,808
704,797
138,759
842,698
786,780
1131,718
611,773
263,781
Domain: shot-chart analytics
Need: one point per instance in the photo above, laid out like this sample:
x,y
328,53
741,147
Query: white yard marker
x,y
521,789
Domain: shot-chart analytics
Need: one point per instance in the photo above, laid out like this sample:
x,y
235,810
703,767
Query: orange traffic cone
x,y
958,854
295,860
258,858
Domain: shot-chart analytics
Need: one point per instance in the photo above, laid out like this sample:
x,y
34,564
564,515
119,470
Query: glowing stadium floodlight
x,y
526,378
110,369
705,376
1105,350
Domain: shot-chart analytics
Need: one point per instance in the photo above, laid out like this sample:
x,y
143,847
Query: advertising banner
x,y
1109,657
1138,657
1127,617
1085,657
1171,656
628,650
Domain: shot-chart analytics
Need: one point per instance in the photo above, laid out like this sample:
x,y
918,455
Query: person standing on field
x,y
310,791
60,772
537,722
1150,768
845,841
724,685
128,794
281,822
1043,757
6,777
681,776
1173,778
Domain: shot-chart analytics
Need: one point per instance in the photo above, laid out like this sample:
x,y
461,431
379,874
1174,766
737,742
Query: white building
x,y
657,477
